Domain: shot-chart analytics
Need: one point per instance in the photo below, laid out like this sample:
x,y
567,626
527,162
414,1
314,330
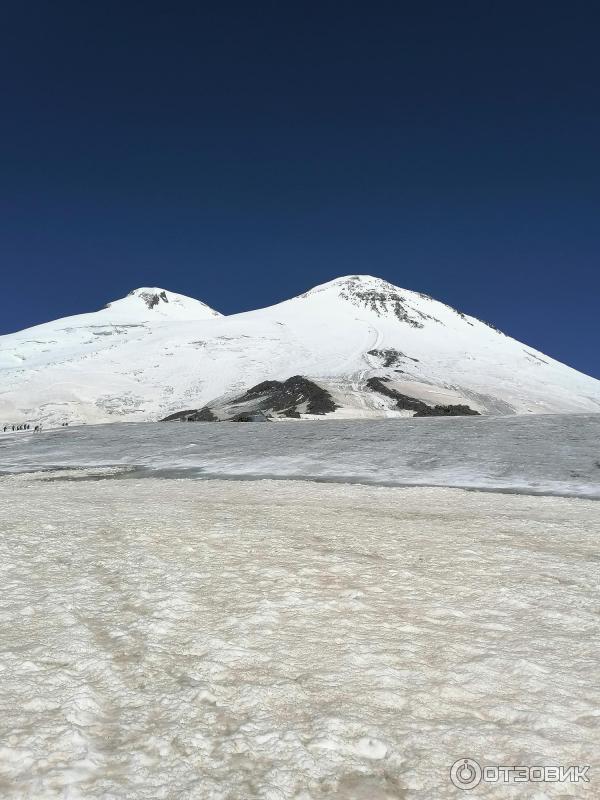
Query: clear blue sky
x,y
241,152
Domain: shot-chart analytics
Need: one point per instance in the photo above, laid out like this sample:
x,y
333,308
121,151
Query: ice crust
x,y
546,454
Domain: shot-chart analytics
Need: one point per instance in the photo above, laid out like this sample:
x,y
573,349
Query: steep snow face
x,y
154,353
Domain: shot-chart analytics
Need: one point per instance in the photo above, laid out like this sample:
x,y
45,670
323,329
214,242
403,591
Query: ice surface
x,y
257,640
549,454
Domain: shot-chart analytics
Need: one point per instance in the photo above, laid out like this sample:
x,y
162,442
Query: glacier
x,y
545,454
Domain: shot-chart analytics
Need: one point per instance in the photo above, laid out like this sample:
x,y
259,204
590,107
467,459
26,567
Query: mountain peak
x,y
379,297
150,296
352,283
154,301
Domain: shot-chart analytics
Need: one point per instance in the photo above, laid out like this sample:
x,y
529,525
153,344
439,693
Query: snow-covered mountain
x,y
375,348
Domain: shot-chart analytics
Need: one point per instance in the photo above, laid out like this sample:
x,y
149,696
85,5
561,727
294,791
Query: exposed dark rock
x,y
287,395
447,411
278,397
258,417
390,357
378,385
260,388
403,401
421,409
533,356
493,327
192,415
383,298
152,299
387,302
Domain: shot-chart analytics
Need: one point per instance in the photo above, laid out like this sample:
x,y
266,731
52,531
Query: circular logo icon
x,y
465,773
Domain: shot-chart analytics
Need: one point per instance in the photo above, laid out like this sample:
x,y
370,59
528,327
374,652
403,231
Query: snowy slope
x,y
145,356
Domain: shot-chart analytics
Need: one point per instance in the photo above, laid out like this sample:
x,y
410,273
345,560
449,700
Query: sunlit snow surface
x,y
549,454
170,638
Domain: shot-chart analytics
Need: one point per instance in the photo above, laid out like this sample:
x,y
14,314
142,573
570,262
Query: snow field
x,y
166,638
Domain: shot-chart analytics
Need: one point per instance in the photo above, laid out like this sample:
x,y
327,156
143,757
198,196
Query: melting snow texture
x,y
165,638
216,640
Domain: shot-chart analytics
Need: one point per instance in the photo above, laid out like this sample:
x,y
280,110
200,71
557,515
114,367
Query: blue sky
x,y
243,152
